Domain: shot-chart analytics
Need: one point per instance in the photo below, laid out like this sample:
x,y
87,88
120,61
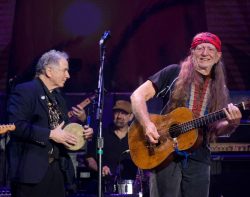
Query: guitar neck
x,y
207,119
84,103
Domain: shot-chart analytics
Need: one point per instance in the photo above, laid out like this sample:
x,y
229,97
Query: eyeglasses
x,y
201,49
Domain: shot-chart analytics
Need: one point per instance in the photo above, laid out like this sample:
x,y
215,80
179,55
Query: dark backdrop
x,y
145,36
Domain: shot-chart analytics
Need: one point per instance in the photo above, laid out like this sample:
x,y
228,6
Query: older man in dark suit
x,y
39,113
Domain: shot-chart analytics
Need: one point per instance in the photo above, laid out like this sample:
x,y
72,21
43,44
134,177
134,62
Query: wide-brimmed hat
x,y
123,105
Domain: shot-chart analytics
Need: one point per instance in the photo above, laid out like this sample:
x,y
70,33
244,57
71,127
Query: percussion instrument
x,y
77,130
125,186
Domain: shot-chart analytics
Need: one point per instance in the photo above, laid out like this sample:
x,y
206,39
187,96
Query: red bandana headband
x,y
206,37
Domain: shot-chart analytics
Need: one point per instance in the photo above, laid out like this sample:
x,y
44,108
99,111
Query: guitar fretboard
x,y
202,121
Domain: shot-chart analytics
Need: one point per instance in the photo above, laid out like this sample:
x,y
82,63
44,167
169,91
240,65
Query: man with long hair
x,y
198,83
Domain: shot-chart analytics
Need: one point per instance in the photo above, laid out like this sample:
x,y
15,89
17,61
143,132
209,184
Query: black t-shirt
x,y
115,155
163,82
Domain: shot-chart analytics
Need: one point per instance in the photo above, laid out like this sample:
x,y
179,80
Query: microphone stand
x,y
100,140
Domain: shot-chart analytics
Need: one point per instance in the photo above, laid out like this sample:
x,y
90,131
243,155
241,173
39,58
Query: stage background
x,y
146,36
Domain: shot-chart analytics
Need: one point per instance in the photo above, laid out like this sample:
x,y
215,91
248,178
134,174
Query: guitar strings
x,y
186,126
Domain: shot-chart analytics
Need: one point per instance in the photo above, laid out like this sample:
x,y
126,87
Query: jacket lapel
x,y
42,95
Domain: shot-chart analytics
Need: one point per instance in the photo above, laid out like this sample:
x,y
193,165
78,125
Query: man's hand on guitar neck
x,y
151,132
232,121
79,113
233,115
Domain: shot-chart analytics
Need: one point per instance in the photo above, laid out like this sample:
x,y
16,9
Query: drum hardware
x,y
117,185
125,186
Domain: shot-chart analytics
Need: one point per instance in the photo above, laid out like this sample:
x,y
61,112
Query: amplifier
x,y
230,147
240,135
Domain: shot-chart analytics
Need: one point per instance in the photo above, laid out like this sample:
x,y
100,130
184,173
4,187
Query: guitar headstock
x,y
93,96
7,127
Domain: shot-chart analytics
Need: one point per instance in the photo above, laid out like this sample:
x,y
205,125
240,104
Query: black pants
x,y
52,185
178,180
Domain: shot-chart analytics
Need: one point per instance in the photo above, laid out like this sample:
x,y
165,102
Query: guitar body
x,y
176,129
148,157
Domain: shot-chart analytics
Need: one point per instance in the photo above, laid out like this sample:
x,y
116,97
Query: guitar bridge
x,y
151,147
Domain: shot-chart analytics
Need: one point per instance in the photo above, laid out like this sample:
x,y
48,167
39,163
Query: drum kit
x,y
139,186
114,185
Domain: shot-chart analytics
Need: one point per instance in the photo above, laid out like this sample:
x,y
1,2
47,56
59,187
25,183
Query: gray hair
x,y
51,57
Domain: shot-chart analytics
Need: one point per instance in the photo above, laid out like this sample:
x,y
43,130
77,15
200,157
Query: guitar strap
x,y
167,91
198,100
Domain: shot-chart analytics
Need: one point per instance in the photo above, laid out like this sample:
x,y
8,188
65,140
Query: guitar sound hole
x,y
175,131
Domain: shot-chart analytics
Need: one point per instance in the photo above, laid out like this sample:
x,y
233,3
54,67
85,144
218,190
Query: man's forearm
x,y
139,108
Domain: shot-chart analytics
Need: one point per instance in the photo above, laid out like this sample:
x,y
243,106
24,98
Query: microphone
x,y
105,36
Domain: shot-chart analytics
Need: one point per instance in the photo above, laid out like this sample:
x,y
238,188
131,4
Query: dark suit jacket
x,y
29,143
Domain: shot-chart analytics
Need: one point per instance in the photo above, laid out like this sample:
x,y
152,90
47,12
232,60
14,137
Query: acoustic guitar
x,y
177,128
7,127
